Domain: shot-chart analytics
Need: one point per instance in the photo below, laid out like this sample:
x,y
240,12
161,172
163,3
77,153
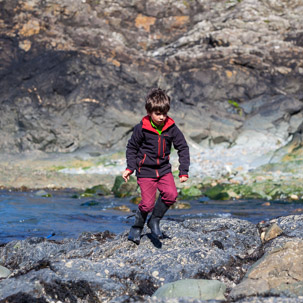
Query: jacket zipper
x,y
159,153
159,150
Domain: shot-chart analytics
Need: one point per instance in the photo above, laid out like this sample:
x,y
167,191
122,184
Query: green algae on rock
x,y
190,192
100,190
125,189
265,190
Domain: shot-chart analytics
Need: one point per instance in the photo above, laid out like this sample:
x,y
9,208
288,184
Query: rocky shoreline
x,y
73,81
255,263
219,173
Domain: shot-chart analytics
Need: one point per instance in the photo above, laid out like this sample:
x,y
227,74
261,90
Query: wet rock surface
x,y
101,267
107,268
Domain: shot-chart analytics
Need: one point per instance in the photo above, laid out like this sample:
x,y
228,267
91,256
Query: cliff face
x,y
74,74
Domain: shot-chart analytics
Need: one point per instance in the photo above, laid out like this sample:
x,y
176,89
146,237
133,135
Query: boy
x,y
148,152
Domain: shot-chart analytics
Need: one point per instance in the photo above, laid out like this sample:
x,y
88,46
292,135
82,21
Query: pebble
x,y
155,274
69,264
4,272
294,197
266,204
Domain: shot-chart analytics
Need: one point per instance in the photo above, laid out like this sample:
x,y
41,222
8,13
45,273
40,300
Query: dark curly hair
x,y
157,101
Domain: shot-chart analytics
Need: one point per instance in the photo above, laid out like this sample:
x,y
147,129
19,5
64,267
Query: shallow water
x,y
24,214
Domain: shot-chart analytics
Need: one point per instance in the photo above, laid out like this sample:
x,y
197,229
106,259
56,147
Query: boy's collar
x,y
156,126
146,124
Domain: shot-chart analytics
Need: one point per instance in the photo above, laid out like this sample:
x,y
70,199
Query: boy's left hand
x,y
183,179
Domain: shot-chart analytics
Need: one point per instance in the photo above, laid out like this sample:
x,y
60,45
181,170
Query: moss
x,y
100,190
189,192
234,191
57,168
218,192
86,167
125,189
236,106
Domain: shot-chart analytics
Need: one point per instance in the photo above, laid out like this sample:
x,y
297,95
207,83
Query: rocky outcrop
x,y
107,268
278,272
74,73
100,268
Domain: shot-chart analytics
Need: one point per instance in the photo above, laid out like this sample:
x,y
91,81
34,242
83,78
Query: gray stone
x,y
191,288
4,272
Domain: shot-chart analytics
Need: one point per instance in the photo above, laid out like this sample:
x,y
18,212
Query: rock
x,y
90,203
100,190
277,273
191,288
42,193
136,200
108,268
292,226
294,197
125,189
75,73
217,193
181,205
277,108
189,192
4,272
123,208
227,191
272,232
98,267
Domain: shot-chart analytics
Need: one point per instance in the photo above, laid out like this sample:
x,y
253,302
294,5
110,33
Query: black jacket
x,y
147,152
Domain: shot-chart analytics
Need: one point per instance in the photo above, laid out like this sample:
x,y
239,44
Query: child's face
x,y
158,117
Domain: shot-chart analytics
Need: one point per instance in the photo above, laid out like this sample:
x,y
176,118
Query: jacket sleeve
x,y
133,146
182,148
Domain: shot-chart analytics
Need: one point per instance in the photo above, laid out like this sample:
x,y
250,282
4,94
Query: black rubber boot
x,y
153,223
136,230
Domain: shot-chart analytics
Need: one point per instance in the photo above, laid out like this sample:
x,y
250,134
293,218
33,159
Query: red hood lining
x,y
147,125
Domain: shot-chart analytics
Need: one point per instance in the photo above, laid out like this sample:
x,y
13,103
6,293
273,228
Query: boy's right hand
x,y
126,175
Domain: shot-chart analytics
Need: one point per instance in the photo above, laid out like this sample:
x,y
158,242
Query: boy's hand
x,y
183,179
126,175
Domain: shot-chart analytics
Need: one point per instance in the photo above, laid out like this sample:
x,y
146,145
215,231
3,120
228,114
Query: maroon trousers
x,y
166,186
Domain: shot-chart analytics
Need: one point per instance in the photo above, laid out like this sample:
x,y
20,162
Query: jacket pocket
x,y
141,162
